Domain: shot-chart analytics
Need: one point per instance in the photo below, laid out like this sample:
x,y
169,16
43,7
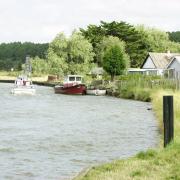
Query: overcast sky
x,y
41,20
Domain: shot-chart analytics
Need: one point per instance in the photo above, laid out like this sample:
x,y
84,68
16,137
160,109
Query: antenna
x,y
28,68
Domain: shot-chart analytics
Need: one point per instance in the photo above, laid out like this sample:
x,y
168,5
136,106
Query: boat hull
x,y
20,90
76,89
97,92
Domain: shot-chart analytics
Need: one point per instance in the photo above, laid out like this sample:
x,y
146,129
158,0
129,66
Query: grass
x,y
157,164
8,75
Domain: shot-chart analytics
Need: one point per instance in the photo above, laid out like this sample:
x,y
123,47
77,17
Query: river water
x,y
52,136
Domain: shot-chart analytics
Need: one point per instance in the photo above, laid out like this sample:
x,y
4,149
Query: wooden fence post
x,y
168,119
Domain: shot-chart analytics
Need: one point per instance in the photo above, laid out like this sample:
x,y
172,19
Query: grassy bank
x,y
5,75
159,163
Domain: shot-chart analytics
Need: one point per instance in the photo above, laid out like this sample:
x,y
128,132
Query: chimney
x,y
168,54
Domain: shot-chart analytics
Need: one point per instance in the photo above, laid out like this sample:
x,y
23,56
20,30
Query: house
x,y
174,66
158,63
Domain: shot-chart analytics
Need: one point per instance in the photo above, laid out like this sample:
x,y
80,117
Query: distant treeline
x,y
12,55
174,36
87,47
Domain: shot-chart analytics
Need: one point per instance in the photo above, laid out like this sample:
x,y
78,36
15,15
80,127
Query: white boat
x,y
97,92
23,85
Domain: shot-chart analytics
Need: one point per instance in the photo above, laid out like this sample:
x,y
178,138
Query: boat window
x,y
78,78
71,78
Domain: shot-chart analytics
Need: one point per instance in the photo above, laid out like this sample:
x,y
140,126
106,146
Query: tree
x,y
71,55
157,40
136,47
57,55
174,36
39,66
12,55
94,34
115,60
80,54
107,42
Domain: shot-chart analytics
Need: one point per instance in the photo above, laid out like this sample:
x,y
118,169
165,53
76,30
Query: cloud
x,y
41,20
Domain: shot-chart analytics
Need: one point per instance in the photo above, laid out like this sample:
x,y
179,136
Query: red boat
x,y
72,85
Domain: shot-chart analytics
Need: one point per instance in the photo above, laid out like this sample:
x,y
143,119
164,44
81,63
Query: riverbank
x,y
158,163
42,81
10,78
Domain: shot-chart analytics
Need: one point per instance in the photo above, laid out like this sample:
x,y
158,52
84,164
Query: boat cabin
x,y
73,79
22,81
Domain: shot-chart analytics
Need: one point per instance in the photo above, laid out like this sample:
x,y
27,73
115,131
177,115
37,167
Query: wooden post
x,y
168,119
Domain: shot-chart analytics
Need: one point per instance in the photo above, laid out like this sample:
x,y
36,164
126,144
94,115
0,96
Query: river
x,y
52,136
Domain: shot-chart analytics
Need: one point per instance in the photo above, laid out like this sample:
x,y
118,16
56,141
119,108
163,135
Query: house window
x,y
153,72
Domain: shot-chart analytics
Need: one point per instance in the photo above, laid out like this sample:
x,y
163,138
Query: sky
x,y
41,20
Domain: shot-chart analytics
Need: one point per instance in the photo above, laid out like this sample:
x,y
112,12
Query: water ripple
x,y
50,136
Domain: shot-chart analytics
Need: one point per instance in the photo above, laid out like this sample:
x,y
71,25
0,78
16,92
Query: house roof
x,y
175,58
161,60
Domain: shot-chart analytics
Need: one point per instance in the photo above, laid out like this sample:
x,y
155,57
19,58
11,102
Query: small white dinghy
x,y
97,92
23,85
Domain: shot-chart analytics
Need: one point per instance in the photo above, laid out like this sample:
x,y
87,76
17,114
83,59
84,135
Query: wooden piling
x,y
168,119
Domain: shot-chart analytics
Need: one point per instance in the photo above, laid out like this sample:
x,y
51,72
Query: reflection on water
x,y
53,136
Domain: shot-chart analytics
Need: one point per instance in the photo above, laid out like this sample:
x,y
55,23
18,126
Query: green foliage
x,y
7,64
138,40
174,36
157,40
39,66
105,44
94,34
80,54
71,55
147,155
136,47
12,55
136,173
115,59
140,87
57,55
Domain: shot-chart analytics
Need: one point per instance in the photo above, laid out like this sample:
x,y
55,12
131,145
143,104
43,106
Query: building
x,y
174,66
159,63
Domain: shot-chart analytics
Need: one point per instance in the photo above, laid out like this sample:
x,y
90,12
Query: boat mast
x,y
28,68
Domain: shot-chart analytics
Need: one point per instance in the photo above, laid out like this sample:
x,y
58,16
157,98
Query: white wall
x,y
175,65
148,64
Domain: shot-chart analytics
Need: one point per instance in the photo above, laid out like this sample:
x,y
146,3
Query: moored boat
x,y
72,85
97,92
23,85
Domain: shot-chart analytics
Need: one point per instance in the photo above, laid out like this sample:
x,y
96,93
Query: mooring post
x,y
168,119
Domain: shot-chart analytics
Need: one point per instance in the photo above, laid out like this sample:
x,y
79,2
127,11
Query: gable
x,y
175,64
148,64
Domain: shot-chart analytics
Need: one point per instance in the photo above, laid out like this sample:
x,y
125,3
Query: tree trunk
x,y
112,77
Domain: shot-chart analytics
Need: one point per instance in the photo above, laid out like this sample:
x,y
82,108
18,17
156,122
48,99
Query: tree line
x,y
111,45
174,36
12,55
